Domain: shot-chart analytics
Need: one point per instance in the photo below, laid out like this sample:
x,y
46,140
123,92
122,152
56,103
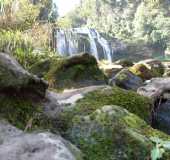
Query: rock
x,y
57,103
142,71
112,132
14,78
127,80
155,66
162,119
124,63
92,101
72,72
155,88
34,146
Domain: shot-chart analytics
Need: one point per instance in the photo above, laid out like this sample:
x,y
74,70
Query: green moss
x,y
19,112
109,96
112,133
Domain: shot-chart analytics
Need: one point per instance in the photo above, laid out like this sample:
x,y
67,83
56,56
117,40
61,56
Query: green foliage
x,y
160,148
20,14
147,20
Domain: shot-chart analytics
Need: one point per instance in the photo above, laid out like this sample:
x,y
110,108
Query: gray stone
x,y
13,76
127,80
17,145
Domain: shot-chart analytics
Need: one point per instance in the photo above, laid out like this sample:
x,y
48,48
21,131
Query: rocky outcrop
x,y
14,78
127,80
15,145
112,132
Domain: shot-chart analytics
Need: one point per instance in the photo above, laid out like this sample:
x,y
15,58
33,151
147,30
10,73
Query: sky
x,y
64,6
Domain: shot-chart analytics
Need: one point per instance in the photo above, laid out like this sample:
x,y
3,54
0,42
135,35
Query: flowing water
x,y
73,41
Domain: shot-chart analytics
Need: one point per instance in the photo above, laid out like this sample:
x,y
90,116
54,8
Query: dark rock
x,y
14,78
127,80
162,119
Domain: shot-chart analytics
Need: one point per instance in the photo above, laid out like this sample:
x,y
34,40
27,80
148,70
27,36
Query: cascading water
x,y
77,40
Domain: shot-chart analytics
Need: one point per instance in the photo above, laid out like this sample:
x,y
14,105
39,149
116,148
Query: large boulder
x,y
21,94
14,78
72,72
17,145
112,132
127,80
130,100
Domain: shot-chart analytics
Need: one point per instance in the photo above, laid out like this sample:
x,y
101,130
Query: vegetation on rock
x,y
111,132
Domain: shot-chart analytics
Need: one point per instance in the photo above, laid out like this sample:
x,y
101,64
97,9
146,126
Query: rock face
x,y
127,80
14,77
112,133
73,72
15,145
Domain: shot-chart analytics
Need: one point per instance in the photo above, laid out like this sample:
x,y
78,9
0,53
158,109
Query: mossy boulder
x,y
142,71
130,100
113,133
127,80
77,71
13,78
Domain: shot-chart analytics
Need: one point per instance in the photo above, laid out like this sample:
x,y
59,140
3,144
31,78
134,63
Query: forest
x,y
92,83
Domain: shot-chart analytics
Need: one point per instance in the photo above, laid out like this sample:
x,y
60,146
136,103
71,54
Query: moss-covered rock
x,y
77,71
156,66
113,133
142,71
107,96
127,80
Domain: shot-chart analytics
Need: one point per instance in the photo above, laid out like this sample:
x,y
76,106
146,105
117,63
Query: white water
x,y
68,43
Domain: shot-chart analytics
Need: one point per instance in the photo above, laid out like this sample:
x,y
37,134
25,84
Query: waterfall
x,y
77,40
